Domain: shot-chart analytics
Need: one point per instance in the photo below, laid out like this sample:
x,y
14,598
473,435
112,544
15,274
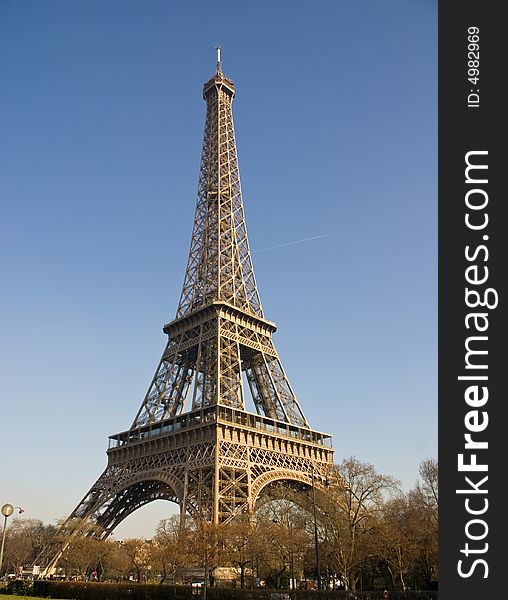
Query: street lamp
x,y
7,510
316,541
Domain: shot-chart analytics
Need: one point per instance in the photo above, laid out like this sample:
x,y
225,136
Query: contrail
x,y
315,237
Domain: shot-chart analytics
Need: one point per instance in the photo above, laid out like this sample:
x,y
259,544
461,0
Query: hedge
x,y
82,590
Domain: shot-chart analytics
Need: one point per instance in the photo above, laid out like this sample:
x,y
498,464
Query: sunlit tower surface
x,y
193,441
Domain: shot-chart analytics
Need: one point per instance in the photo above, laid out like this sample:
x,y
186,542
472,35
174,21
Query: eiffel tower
x,y
192,441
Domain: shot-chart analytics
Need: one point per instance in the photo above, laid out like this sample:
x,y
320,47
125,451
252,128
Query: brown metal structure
x,y
193,441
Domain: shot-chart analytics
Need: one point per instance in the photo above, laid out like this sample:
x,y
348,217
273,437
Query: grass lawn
x,y
8,596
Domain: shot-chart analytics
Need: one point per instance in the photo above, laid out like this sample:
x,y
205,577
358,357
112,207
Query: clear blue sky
x,y
101,121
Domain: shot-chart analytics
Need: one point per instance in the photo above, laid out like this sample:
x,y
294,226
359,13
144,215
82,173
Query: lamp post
x,y
7,510
316,541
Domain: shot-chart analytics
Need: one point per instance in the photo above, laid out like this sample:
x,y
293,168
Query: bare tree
x,y
138,551
25,538
206,549
172,546
428,488
285,522
352,514
116,564
237,540
423,503
396,542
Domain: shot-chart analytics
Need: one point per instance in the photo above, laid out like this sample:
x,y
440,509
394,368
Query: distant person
x,y
386,595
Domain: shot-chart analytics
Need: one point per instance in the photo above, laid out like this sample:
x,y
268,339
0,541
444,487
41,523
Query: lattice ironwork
x,y
219,265
215,458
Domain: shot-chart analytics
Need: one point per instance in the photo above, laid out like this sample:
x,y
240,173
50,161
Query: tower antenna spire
x,y
219,65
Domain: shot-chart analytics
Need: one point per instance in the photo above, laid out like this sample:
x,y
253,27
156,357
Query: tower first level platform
x,y
214,462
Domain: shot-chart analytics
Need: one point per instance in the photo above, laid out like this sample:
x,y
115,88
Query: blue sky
x,y
101,121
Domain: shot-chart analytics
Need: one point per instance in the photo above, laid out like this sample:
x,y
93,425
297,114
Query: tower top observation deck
x,y
219,80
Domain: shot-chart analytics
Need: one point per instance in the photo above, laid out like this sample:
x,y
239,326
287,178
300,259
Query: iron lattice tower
x,y
215,458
